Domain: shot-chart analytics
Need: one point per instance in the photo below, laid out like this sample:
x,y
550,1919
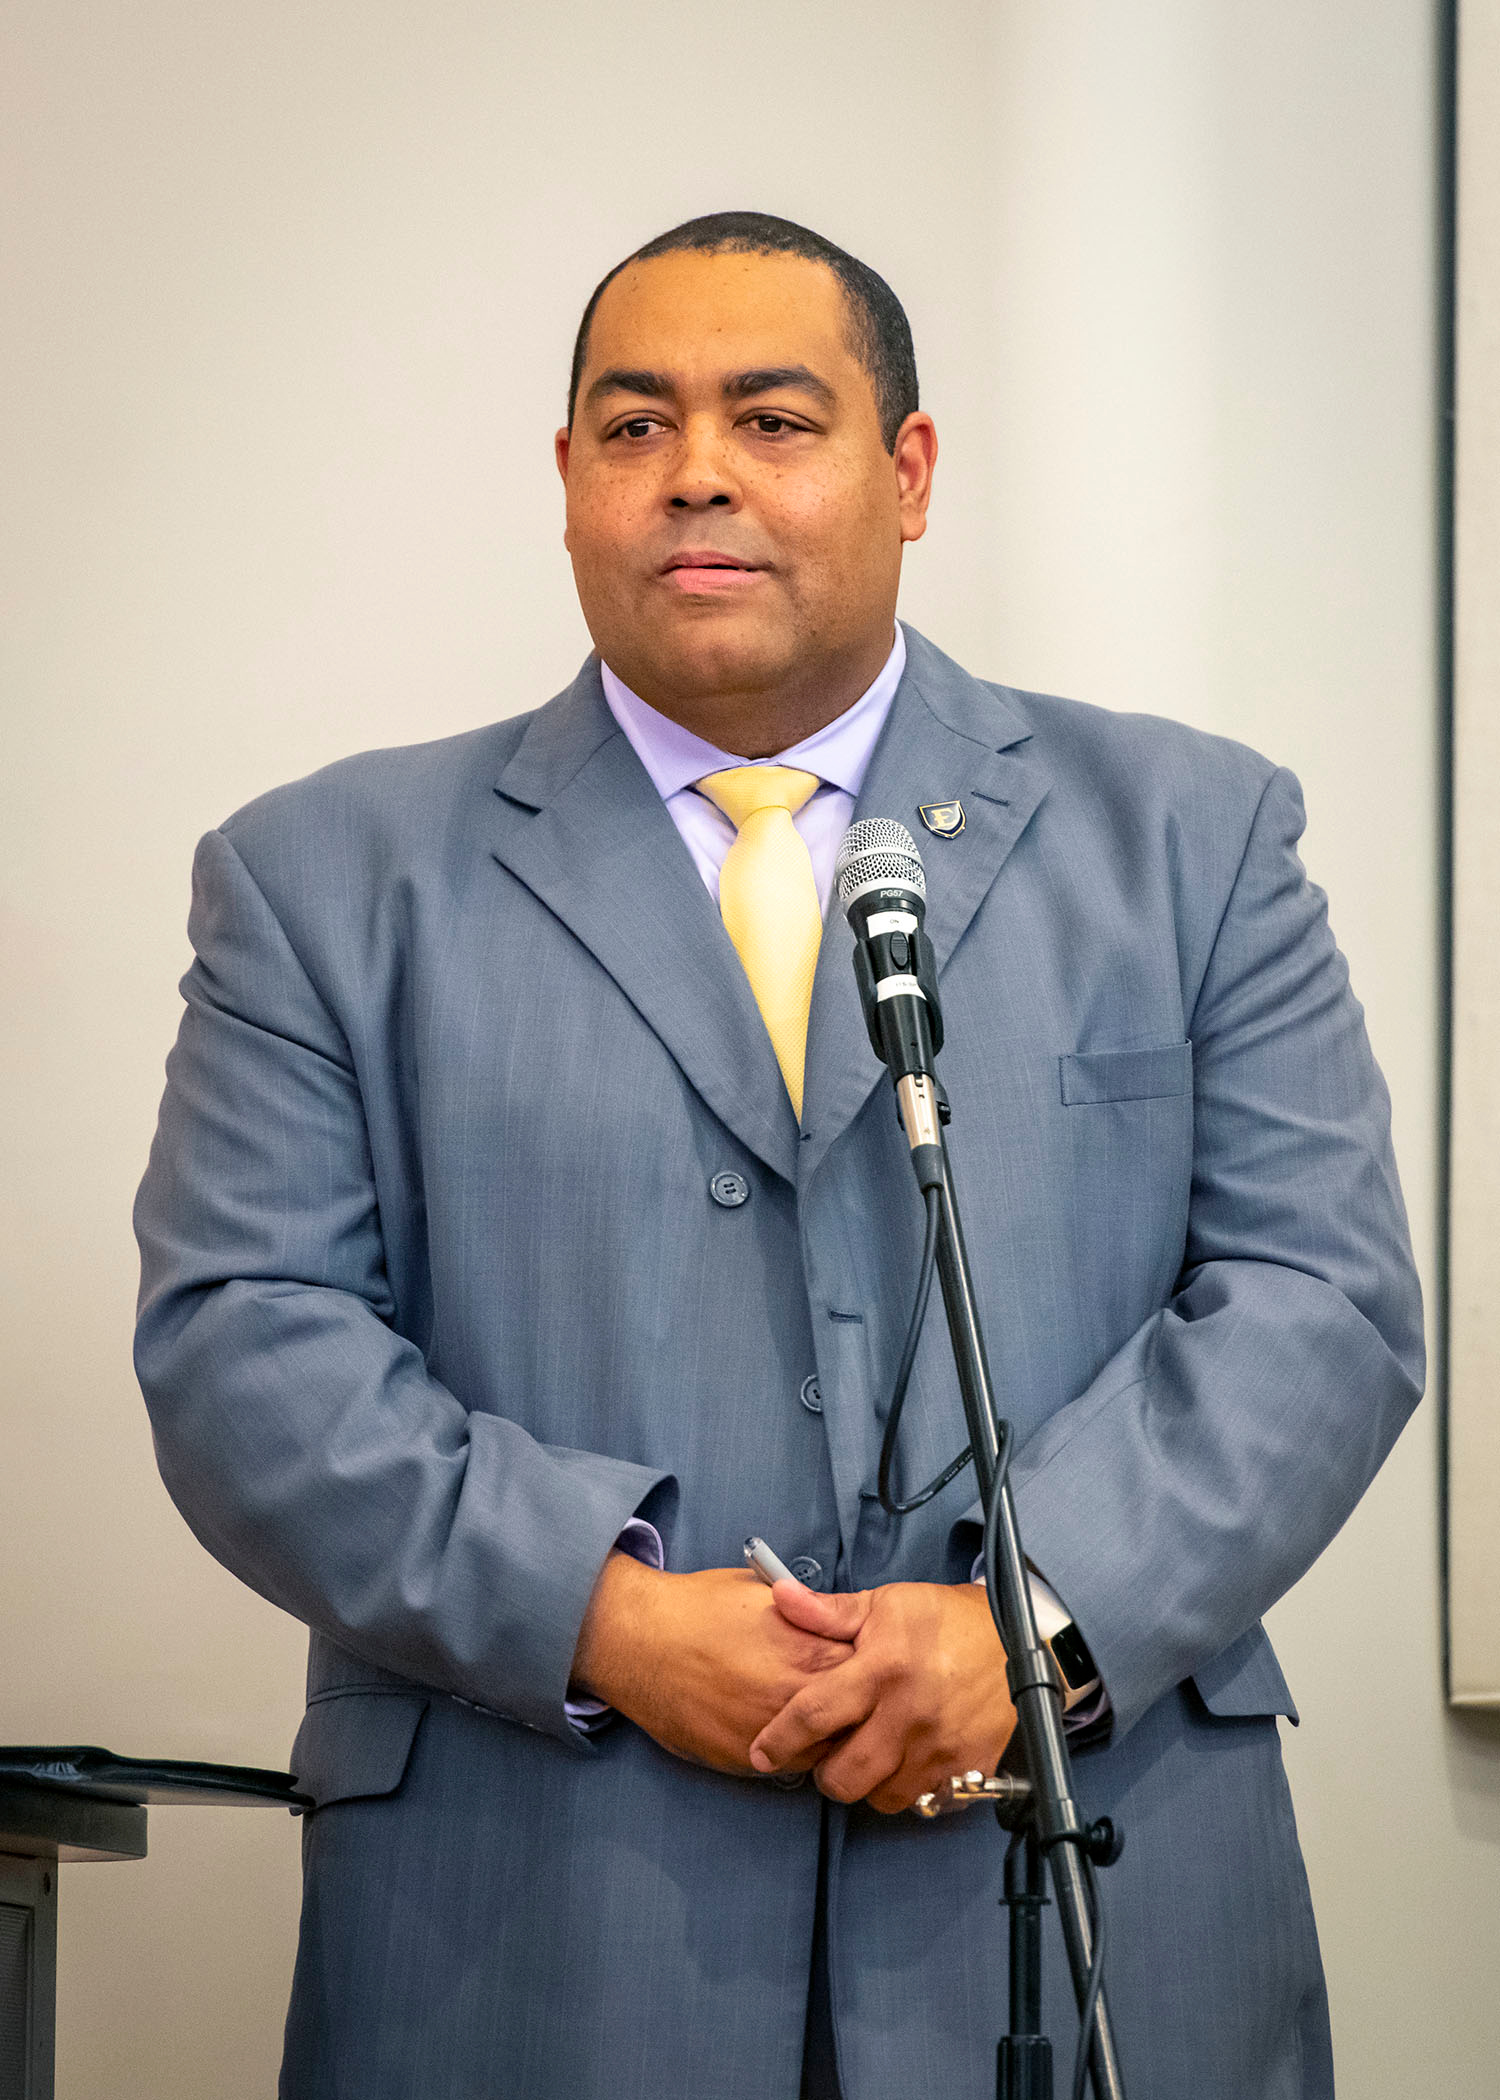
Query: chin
x,y
701,662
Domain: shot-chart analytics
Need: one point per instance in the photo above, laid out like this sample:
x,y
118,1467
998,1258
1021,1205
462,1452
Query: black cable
x,y
992,1528
1090,2003
1095,1985
889,1501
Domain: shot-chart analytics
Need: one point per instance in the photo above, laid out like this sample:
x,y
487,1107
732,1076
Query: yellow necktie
x,y
769,898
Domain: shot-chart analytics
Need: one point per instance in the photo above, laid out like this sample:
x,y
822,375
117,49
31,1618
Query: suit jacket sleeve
x,y
299,1434
1212,1459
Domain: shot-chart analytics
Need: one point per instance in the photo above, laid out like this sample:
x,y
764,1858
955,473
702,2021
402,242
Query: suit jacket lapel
x,y
582,826
947,738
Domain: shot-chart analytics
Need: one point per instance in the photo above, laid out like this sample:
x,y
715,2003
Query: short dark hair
x,y
878,325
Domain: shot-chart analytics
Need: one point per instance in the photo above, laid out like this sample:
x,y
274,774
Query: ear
x,y
561,446
914,456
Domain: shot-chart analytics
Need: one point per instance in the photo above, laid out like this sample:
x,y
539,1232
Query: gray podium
x,y
62,1805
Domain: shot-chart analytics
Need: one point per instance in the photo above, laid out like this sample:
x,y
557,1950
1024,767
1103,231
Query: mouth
x,y
703,570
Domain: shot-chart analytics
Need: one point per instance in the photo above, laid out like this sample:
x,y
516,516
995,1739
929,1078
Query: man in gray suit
x,y
508,1260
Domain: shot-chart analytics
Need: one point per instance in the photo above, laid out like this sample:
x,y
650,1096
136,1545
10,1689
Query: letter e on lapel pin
x,y
944,819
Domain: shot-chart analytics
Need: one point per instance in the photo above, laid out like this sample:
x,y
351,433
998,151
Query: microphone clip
x,y
910,966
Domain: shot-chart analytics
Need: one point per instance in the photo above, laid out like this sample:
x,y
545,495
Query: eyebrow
x,y
622,380
741,386
770,379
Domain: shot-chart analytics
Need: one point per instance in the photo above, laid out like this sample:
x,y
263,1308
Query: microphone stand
x,y
883,892
1051,1824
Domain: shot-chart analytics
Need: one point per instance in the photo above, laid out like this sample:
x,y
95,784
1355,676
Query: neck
x,y
757,721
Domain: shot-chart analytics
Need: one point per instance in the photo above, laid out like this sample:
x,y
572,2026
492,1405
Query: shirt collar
x,y
839,752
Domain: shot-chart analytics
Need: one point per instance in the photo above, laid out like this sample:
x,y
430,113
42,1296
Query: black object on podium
x,y
76,1803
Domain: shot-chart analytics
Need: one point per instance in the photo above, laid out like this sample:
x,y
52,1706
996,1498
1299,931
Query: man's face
x,y
734,520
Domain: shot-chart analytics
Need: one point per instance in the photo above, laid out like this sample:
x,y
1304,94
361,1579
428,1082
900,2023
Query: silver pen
x,y
767,1565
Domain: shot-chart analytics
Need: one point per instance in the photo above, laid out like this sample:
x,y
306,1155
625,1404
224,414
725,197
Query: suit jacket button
x,y
729,1190
812,1396
808,1570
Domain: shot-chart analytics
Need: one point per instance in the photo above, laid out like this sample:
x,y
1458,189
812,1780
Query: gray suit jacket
x,y
436,1295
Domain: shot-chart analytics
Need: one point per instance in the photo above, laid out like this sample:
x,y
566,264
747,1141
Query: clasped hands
x,y
880,1694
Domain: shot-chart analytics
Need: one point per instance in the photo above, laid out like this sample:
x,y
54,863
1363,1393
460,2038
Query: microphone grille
x,y
877,849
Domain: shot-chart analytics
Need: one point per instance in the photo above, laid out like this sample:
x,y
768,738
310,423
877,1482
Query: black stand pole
x,y
1056,1826
1024,2064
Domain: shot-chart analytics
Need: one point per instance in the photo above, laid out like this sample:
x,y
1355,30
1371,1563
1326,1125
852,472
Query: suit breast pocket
x,y
1090,1078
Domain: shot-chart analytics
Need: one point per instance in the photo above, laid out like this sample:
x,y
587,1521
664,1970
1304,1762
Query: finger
x,y
869,1760
837,1700
896,1794
808,1758
927,1762
810,1655
920,1772
838,1617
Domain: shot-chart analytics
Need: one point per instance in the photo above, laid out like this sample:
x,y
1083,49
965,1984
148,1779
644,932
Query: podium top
x,y
99,1775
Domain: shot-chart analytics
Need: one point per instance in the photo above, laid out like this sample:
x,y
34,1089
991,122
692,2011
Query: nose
x,y
701,477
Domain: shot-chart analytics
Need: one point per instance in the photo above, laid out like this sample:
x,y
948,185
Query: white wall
x,y
291,296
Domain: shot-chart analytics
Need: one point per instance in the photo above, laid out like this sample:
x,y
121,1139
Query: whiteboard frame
x,y
1474,1158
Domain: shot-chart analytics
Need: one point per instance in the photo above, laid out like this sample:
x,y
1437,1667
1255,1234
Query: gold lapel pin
x,y
945,820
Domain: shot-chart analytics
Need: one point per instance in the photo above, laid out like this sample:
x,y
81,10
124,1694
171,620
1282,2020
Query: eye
x,y
769,424
637,427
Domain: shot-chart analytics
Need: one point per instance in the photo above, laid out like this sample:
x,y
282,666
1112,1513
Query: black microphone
x,y
883,894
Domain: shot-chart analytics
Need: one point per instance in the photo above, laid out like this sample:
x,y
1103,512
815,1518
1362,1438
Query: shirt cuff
x,y
642,1541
